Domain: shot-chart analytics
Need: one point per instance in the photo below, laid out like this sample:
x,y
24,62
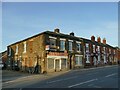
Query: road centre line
x,y
82,83
111,75
63,79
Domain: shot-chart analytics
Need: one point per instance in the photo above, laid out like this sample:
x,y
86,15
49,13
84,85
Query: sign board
x,y
47,47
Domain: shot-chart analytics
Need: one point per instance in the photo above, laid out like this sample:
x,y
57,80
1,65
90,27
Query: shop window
x,y
63,63
62,45
50,63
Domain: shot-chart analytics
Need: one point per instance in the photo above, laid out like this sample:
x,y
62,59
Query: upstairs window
x,y
70,45
110,51
9,51
93,48
78,46
87,47
104,49
52,42
62,45
24,47
16,49
114,52
98,48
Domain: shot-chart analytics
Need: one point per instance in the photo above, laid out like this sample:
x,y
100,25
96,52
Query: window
x,y
16,49
110,51
52,42
50,63
114,52
98,48
104,49
78,46
94,48
70,45
62,45
78,60
9,51
24,51
63,63
87,47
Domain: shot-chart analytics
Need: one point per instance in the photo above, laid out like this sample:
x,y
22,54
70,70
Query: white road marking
x,y
82,83
62,79
111,75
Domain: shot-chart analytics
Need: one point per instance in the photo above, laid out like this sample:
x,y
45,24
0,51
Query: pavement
x,y
97,77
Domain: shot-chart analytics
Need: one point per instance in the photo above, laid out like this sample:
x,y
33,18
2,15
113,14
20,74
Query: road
x,y
100,77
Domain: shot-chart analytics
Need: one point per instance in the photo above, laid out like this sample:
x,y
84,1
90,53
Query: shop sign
x,y
57,54
47,47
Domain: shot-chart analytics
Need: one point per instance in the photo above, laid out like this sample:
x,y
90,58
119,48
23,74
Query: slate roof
x,y
65,36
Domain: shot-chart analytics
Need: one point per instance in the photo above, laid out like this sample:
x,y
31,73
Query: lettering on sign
x,y
57,54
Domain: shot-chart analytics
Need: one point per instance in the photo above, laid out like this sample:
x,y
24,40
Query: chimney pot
x,y
104,41
92,38
99,39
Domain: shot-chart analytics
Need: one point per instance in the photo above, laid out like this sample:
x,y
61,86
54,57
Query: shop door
x,y
57,65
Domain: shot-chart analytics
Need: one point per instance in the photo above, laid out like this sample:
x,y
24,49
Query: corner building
x,y
54,51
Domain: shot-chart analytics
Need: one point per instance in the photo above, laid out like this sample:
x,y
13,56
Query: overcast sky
x,y
22,20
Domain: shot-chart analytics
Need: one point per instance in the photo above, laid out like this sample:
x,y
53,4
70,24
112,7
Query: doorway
x,y
57,64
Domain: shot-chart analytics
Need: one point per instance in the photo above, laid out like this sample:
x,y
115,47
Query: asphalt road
x,y
100,77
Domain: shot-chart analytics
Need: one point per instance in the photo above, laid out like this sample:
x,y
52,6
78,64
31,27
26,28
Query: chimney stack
x,y
99,40
104,41
72,33
56,30
92,38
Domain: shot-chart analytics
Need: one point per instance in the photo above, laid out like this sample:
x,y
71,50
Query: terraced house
x,y
55,51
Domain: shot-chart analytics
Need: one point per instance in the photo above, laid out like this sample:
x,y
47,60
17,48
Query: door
x,y
57,64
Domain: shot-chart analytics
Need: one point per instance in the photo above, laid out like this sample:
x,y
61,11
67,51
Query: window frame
x,y
78,43
63,47
16,51
24,47
70,41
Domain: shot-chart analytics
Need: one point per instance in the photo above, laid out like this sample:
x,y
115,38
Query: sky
x,y
21,20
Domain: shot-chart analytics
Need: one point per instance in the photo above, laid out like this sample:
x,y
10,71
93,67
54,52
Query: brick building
x,y
55,51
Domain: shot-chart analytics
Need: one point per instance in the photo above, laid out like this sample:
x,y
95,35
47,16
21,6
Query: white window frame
x,y
109,50
114,52
16,49
70,49
24,47
94,48
9,51
104,50
53,38
79,64
62,49
98,48
87,45
79,46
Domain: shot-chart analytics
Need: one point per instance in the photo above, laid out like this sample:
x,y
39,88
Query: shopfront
x,y
57,61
